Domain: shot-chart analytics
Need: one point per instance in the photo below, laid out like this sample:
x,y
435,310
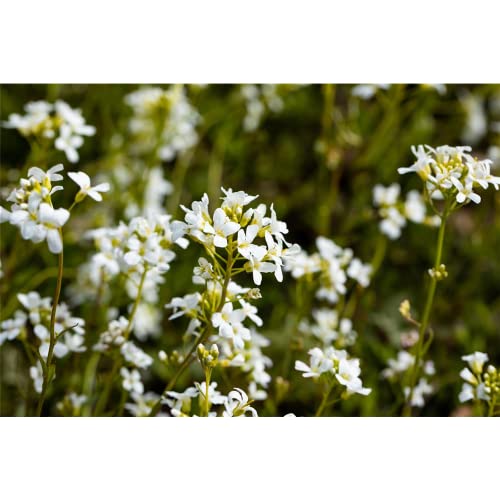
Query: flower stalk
x,y
421,346
48,367
103,400
188,359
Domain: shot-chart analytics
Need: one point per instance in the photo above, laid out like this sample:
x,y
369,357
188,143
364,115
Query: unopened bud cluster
x,y
438,273
208,358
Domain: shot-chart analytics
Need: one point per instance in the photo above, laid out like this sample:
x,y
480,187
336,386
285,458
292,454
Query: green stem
x,y
425,319
188,358
49,371
491,410
123,400
208,373
103,400
379,255
329,197
324,401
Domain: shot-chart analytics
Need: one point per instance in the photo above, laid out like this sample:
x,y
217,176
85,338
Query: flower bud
x,y
404,309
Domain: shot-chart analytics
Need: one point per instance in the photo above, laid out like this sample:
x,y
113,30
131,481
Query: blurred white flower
x,y
237,404
131,380
83,180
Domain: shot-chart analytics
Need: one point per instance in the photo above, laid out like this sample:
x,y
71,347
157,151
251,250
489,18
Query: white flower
x,y
464,191
11,328
73,119
468,376
276,227
255,393
348,375
359,272
222,228
245,243
392,224
131,380
74,343
225,318
423,388
236,199
34,304
83,180
142,405
113,336
147,320
184,305
42,332
36,374
229,323
135,355
422,165
69,143
415,207
429,368
250,311
480,174
257,267
466,394
52,220
476,361
180,399
175,133
452,172
214,396
77,400
237,404
51,175
403,362
366,91
386,195
319,364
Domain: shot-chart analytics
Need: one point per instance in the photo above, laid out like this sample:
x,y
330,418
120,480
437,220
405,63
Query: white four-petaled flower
x,y
86,189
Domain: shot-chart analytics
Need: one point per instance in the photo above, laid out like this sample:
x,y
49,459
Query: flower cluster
x,y
36,318
331,362
143,246
72,404
163,122
399,369
116,336
329,328
366,91
33,324
451,173
235,404
250,359
237,229
32,210
58,122
327,272
258,99
394,213
332,265
239,344
480,384
237,239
